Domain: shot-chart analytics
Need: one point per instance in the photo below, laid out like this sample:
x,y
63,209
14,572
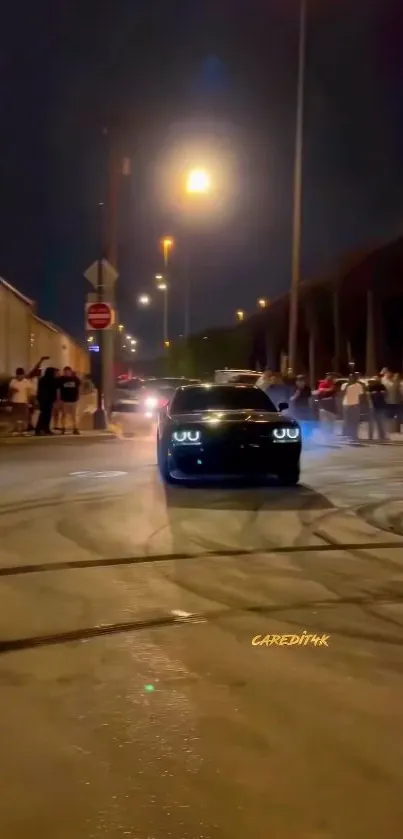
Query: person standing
x,y
398,395
352,393
301,405
326,396
69,389
388,380
21,393
46,396
376,393
57,422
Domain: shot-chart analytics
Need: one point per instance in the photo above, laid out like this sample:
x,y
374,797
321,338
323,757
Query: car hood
x,y
218,417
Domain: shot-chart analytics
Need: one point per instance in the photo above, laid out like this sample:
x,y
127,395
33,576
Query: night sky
x,y
210,81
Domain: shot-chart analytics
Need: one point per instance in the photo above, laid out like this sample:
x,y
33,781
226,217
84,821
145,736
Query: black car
x,y
226,431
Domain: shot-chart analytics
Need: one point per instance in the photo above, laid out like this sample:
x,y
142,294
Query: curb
x,y
59,439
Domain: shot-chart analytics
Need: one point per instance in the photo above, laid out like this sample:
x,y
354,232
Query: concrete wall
x,y
25,337
15,319
47,339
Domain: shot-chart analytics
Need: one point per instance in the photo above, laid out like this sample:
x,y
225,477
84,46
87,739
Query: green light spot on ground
x,y
149,688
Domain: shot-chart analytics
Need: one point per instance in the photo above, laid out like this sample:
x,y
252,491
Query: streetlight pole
x,y
167,244
297,200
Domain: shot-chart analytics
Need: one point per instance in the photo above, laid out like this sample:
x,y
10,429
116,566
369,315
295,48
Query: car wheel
x,y
162,460
290,478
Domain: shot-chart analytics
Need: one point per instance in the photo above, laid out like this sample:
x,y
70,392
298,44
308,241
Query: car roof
x,y
216,385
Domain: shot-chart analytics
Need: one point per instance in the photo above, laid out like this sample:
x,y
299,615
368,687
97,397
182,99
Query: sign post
x,y
100,317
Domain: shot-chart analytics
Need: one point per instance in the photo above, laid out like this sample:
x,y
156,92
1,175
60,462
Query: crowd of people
x,y
378,401
52,396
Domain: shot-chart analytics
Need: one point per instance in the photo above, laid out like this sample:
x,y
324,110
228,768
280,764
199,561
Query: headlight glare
x,y
286,434
151,402
191,437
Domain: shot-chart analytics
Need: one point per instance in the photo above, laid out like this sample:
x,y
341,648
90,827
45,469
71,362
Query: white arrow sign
x,y
109,274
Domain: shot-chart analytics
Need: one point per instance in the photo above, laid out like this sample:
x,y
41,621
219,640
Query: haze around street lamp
x,y
144,299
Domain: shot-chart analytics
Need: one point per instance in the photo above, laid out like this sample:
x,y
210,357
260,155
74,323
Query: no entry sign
x,y
99,316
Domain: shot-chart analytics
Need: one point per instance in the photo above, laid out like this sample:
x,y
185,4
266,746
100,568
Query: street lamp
x,y
297,199
198,182
262,303
240,314
144,300
167,244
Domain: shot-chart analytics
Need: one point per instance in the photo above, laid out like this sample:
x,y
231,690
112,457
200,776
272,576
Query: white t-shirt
x,y
21,391
352,393
390,389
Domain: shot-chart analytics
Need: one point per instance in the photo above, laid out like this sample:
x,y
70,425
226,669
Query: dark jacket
x,y
377,395
301,404
47,387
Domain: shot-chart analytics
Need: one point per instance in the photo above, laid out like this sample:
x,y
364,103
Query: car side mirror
x,y
283,406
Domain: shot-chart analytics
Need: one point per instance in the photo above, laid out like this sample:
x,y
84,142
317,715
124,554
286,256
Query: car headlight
x,y
192,437
286,434
151,402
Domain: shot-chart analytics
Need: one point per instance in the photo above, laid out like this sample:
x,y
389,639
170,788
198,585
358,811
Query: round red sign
x,y
99,315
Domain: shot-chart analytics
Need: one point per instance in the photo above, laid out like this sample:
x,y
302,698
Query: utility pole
x,y
103,274
100,419
297,201
111,247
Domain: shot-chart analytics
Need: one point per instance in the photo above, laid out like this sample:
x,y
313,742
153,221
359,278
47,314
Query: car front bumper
x,y
197,462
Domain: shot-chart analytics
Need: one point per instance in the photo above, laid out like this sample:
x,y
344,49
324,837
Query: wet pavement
x,y
133,702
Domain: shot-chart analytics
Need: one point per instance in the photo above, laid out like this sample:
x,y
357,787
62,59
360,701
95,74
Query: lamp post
x,y
198,183
167,245
163,286
297,200
240,314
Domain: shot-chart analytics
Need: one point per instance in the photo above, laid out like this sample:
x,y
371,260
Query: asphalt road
x,y
132,701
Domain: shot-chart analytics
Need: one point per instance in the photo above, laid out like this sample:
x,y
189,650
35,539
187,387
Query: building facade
x,y
25,337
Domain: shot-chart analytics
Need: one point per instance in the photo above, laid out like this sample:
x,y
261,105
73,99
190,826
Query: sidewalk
x,y
61,439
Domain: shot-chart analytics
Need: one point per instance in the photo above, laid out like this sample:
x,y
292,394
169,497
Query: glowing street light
x,y
167,244
133,341
198,182
240,314
144,300
262,303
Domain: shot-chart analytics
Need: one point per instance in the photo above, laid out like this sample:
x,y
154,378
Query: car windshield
x,y
246,378
222,398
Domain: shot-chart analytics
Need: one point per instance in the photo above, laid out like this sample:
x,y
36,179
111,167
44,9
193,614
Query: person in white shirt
x,y
21,393
352,392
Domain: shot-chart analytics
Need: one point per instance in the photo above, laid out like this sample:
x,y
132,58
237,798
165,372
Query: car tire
x,y
162,461
290,478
